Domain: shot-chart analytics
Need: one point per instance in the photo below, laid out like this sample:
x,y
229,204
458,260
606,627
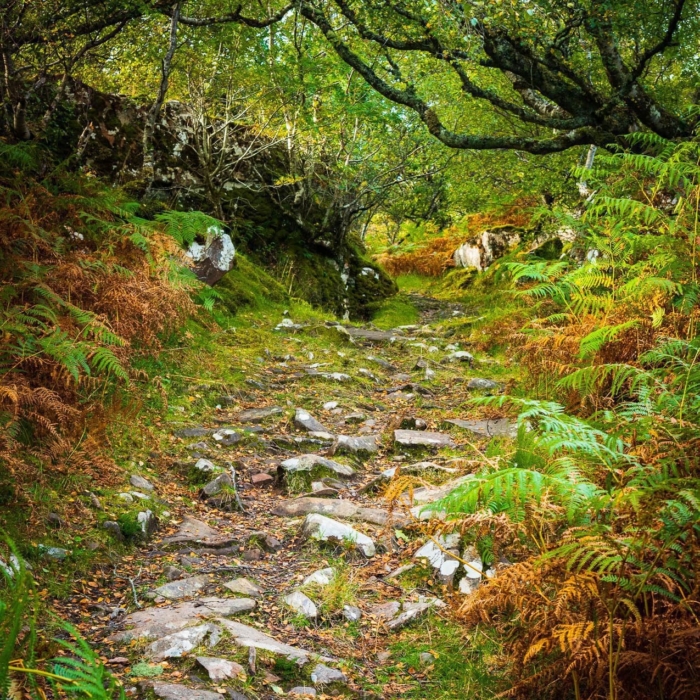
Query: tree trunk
x,y
150,126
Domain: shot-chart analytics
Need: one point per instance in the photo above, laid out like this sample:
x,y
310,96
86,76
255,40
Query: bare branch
x,y
236,17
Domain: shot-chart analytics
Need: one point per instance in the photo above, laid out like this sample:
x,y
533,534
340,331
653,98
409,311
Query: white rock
x,y
306,463
352,613
467,256
175,645
205,465
322,577
301,604
221,669
467,586
184,587
319,527
246,636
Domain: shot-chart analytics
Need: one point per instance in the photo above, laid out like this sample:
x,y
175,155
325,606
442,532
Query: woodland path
x,y
204,608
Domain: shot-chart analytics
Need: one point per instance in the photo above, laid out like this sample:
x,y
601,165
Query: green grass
x,y
394,312
461,667
414,283
341,591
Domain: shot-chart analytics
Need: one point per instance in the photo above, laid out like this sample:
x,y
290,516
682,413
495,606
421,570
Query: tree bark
x,y
154,112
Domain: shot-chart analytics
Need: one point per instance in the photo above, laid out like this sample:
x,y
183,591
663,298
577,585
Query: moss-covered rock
x,y
248,285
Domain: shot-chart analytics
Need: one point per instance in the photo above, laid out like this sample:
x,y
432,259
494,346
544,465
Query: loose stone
x,y
244,587
319,527
140,483
422,438
304,419
323,675
221,669
301,604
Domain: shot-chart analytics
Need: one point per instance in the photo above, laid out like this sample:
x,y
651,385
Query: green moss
x,y
300,482
130,526
368,285
394,312
144,670
248,285
457,670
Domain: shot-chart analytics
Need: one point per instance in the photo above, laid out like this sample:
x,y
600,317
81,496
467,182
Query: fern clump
x,y
597,500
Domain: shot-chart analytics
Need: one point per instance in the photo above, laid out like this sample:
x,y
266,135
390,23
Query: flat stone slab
x,y
423,466
336,507
422,438
364,444
193,531
384,364
193,432
301,604
221,669
486,428
176,645
172,691
306,463
184,587
385,611
246,636
319,527
154,623
370,335
303,419
258,415
478,384
245,587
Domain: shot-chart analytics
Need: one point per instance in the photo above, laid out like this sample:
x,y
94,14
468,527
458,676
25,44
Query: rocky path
x,y
272,563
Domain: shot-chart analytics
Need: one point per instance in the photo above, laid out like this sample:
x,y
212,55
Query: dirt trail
x,y
303,590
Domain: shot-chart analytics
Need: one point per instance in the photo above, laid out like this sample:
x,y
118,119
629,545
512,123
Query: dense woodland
x,y
463,235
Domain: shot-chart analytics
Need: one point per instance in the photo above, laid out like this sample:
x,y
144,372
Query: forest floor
x,y
213,581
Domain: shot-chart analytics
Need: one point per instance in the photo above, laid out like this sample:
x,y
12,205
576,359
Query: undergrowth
x,y
592,515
